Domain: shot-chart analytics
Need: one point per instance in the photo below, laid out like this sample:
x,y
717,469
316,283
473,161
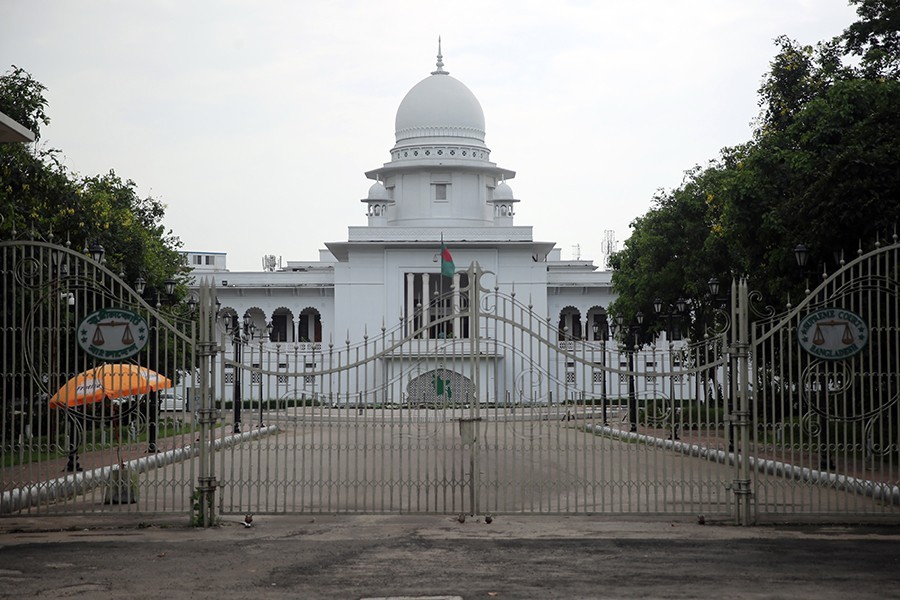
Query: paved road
x,y
115,556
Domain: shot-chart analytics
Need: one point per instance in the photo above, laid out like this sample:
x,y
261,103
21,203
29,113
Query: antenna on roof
x,y
440,61
270,262
608,246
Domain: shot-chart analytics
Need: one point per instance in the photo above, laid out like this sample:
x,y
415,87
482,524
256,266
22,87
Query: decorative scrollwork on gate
x,y
756,306
529,387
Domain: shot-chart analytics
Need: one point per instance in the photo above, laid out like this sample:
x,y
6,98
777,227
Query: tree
x,y
39,197
674,250
875,38
823,168
22,98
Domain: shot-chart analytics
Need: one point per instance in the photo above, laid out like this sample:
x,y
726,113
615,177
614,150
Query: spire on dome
x,y
440,61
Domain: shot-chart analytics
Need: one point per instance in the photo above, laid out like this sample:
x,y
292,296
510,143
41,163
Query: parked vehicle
x,y
170,400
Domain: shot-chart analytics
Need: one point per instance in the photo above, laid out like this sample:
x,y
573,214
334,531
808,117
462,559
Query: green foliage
x,y
22,99
875,38
823,168
41,198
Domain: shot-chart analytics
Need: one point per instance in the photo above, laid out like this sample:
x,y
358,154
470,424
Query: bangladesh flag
x,y
447,266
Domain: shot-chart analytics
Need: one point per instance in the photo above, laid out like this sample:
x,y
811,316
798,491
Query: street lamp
x,y
630,336
801,255
269,328
140,286
722,301
596,328
96,252
239,335
673,313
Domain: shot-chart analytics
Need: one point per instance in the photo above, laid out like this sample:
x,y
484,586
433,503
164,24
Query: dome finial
x,y
440,61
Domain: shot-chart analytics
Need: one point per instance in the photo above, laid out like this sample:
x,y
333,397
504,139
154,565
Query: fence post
x,y
740,386
203,507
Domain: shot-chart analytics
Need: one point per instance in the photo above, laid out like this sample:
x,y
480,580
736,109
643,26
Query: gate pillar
x,y
203,508
740,389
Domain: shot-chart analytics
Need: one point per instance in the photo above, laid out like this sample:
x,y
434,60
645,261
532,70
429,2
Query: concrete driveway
x,y
355,557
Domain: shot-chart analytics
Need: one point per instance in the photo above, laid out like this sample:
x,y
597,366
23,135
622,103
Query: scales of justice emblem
x,y
98,333
833,333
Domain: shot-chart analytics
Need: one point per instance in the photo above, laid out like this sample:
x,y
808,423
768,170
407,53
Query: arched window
x,y
598,324
310,327
569,324
282,326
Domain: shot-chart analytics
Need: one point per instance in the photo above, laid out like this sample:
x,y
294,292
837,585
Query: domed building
x,y
440,189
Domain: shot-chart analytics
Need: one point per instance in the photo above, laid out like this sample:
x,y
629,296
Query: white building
x,y
440,183
439,186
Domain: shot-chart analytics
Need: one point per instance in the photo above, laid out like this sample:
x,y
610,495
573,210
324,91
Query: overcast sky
x,y
255,121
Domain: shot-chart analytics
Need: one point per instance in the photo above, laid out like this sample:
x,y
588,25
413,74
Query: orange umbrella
x,y
108,381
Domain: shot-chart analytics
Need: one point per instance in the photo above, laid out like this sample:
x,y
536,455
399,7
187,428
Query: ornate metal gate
x,y
98,389
487,410
821,405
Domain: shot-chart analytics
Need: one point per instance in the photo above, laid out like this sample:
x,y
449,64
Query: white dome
x,y
440,106
503,192
378,192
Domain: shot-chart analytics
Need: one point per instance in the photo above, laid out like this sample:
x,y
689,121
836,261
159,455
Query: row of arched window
x,y
572,327
281,325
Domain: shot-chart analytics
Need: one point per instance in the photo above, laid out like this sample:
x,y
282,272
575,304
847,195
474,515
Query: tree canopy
x,y
42,199
822,169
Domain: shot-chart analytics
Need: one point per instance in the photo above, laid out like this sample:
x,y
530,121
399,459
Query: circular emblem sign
x,y
112,333
833,333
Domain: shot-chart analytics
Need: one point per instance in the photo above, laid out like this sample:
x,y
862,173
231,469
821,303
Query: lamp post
x,y
140,286
722,301
239,335
672,315
597,334
630,336
801,255
269,328
96,252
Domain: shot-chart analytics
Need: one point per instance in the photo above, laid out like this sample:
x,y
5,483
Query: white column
x,y
426,304
410,302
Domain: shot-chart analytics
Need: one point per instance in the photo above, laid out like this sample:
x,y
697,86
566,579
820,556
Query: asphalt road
x,y
355,557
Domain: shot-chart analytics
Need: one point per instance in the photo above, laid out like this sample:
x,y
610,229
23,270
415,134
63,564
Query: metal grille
x,y
98,455
511,416
507,419
826,384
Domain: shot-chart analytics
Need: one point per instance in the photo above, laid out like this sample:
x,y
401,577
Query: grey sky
x,y
254,121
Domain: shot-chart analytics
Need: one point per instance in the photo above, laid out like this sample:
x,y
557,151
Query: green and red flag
x,y
447,266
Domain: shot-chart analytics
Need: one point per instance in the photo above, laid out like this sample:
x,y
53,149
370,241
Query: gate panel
x,y
88,447
600,427
826,410
513,416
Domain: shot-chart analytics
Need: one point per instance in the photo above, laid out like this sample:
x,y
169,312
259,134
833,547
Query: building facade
x,y
439,185
440,189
